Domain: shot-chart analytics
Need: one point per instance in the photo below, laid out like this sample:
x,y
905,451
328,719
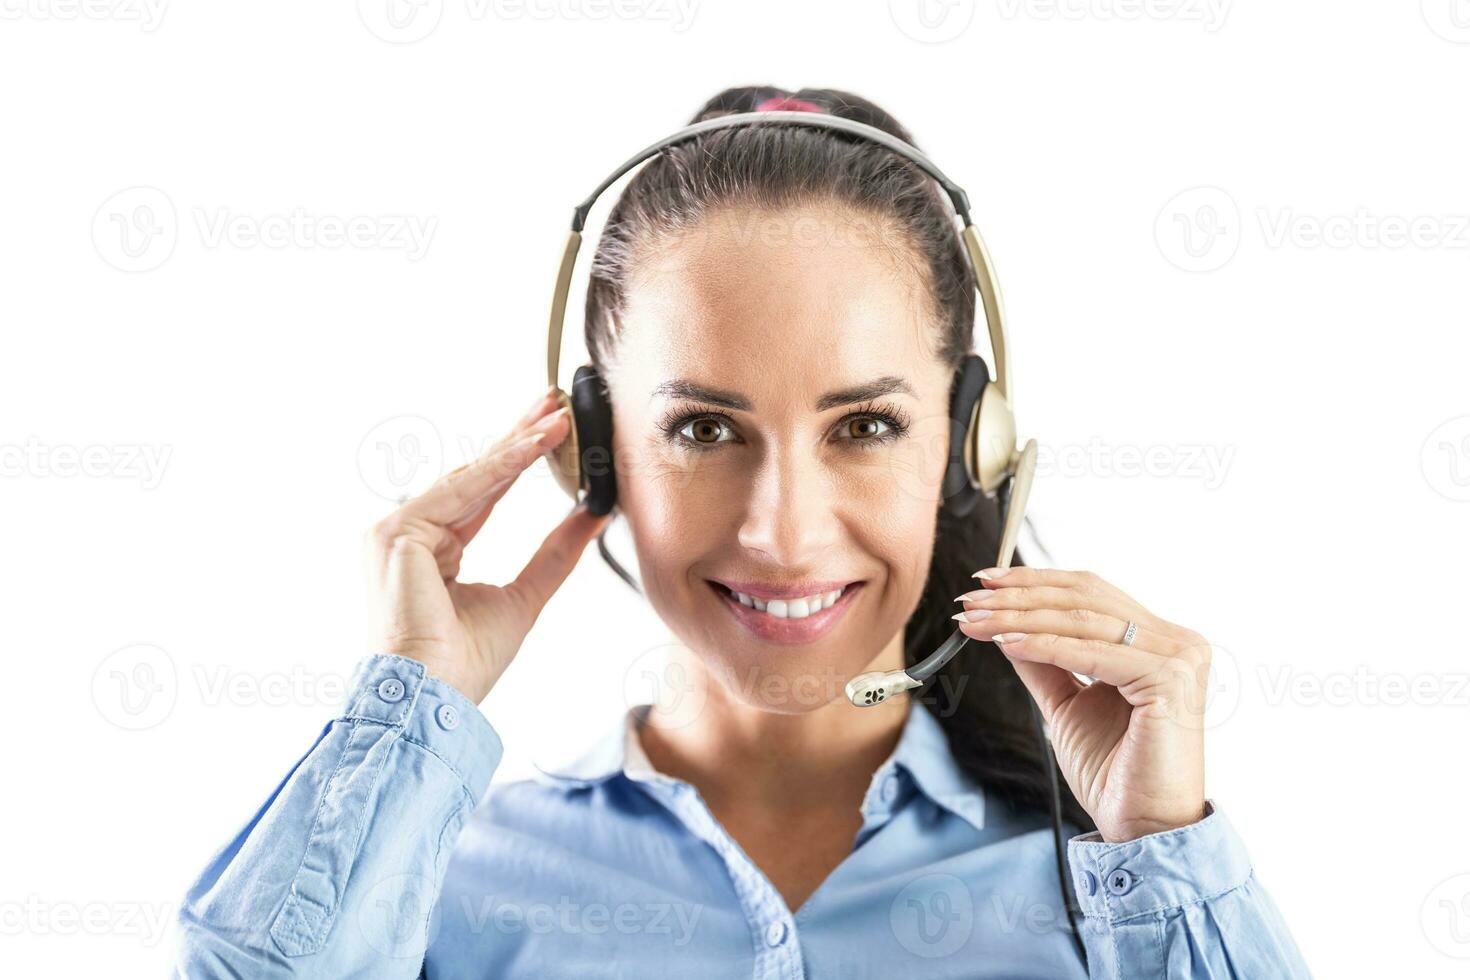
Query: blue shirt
x,y
377,857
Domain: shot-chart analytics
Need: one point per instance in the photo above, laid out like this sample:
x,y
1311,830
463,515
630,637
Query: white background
x,y
1291,365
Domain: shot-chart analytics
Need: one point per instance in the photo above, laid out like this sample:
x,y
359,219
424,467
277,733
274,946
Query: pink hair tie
x,y
785,103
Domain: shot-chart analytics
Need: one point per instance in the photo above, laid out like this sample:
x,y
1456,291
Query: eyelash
x,y
896,420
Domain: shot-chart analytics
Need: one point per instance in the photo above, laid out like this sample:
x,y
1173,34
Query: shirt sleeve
x,y
338,871
1182,903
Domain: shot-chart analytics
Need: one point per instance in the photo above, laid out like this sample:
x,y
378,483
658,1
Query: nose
x,y
791,513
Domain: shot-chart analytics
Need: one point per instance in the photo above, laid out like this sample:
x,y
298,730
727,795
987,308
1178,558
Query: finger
x,y
983,623
555,559
465,528
538,409
1050,686
461,495
1056,597
1111,663
1110,603
1088,583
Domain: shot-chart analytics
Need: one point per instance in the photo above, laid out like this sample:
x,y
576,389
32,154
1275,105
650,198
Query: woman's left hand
x,y
1131,744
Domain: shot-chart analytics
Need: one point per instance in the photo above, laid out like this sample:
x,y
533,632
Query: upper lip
x,y
760,590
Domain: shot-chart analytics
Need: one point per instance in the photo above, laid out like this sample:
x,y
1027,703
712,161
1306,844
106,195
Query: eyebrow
x,y
684,388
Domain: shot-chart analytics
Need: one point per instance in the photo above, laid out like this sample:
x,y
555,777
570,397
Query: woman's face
x,y
780,422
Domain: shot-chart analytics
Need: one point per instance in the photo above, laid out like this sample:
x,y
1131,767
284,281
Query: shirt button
x,y
391,690
1087,883
776,933
1119,881
890,789
448,717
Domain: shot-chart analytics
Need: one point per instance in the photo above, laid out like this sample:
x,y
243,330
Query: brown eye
x,y
862,427
703,431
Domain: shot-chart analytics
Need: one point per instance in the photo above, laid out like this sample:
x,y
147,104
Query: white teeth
x,y
792,608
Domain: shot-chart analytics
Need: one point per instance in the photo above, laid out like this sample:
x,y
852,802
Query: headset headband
x,y
985,279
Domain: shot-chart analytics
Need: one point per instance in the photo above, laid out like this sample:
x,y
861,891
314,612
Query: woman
x,y
778,315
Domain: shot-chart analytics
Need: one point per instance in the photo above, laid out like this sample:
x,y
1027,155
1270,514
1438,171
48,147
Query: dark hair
x,y
977,698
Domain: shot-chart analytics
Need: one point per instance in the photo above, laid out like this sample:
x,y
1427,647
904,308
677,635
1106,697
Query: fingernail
x,y
979,595
990,573
1008,637
550,420
972,615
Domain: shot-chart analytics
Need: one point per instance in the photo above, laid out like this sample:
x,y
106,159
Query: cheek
x,y
901,536
669,515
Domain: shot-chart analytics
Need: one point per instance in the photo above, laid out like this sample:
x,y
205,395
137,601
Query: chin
x,y
785,680
787,689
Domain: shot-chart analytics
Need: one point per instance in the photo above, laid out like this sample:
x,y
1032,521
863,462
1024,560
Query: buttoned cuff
x,y
399,693
1166,870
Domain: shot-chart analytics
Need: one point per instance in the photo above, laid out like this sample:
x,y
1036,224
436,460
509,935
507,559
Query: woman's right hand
x,y
467,633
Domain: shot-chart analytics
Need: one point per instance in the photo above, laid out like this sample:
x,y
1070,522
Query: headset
x,y
983,458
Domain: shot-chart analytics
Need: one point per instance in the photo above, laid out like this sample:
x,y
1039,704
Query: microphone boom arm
x,y
875,686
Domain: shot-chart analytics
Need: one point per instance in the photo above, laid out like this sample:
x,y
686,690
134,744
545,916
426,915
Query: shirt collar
x,y
922,751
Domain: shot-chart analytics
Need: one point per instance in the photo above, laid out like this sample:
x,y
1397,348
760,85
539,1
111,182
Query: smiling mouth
x,y
779,625
792,608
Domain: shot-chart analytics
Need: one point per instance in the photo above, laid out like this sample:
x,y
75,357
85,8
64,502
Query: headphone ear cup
x,y
961,487
592,417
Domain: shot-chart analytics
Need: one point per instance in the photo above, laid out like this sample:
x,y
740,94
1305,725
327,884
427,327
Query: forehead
x,y
764,300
